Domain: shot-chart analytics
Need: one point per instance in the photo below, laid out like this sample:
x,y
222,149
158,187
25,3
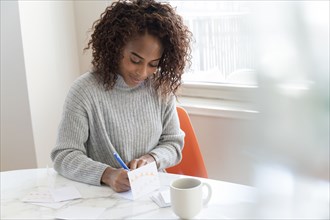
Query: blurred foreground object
x,y
289,141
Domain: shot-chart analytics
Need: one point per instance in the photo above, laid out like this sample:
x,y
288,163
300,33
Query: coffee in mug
x,y
187,197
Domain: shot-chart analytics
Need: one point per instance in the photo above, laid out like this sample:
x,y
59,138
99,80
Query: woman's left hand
x,y
139,162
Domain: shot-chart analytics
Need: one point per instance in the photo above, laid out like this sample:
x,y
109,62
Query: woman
x,y
140,49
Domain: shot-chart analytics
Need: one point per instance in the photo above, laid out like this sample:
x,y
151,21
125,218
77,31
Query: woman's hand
x,y
139,162
117,179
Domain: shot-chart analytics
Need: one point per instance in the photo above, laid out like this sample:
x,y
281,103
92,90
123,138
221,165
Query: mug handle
x,y
209,193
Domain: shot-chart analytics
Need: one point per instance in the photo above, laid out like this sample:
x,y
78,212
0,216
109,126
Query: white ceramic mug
x,y
187,197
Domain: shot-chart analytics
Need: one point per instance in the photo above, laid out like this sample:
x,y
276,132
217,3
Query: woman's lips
x,y
135,80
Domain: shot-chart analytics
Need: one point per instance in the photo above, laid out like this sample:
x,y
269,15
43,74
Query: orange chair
x,y
192,162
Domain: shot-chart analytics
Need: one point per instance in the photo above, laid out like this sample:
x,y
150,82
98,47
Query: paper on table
x,y
166,196
65,193
143,180
47,195
162,198
53,205
39,195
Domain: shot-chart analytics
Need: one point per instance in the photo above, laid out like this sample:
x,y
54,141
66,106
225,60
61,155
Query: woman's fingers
x,y
136,163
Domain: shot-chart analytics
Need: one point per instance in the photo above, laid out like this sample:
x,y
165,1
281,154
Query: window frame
x,y
219,100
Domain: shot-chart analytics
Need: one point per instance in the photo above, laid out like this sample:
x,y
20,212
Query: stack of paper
x,y
162,198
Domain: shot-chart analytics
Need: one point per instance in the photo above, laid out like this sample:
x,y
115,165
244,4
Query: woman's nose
x,y
143,71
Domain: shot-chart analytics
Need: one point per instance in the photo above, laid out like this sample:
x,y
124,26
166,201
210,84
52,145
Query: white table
x,y
229,200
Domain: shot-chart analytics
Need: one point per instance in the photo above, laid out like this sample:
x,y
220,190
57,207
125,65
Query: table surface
x,y
229,200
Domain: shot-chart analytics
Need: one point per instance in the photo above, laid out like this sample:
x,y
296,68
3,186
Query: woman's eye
x,y
135,60
153,64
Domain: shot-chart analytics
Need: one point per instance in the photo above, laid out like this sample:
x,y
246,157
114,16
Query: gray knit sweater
x,y
134,119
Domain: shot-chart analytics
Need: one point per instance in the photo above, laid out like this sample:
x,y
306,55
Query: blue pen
x,y
120,161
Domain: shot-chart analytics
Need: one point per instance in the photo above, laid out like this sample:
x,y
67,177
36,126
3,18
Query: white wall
x,y
51,60
17,145
86,12
223,144
45,35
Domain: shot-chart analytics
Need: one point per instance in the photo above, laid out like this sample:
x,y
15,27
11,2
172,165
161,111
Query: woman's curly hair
x,y
121,22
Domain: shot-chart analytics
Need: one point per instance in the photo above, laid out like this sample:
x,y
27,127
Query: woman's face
x,y
141,57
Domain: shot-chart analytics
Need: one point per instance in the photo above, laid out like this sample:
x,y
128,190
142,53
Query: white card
x,y
165,195
65,193
46,195
162,198
143,180
52,205
41,195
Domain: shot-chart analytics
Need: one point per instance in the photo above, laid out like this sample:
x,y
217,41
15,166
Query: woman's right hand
x,y
117,179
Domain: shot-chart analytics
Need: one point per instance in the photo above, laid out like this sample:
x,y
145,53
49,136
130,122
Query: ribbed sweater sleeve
x,y
166,148
136,121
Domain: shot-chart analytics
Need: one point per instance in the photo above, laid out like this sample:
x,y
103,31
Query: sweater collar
x,y
121,84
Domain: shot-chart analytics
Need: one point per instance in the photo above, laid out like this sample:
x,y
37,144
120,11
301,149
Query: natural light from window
x,y
222,47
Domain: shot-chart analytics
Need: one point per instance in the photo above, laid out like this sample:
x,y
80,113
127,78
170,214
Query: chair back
x,y
192,162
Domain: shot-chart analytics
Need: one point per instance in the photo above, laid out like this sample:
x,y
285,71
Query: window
x,y
222,47
222,79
